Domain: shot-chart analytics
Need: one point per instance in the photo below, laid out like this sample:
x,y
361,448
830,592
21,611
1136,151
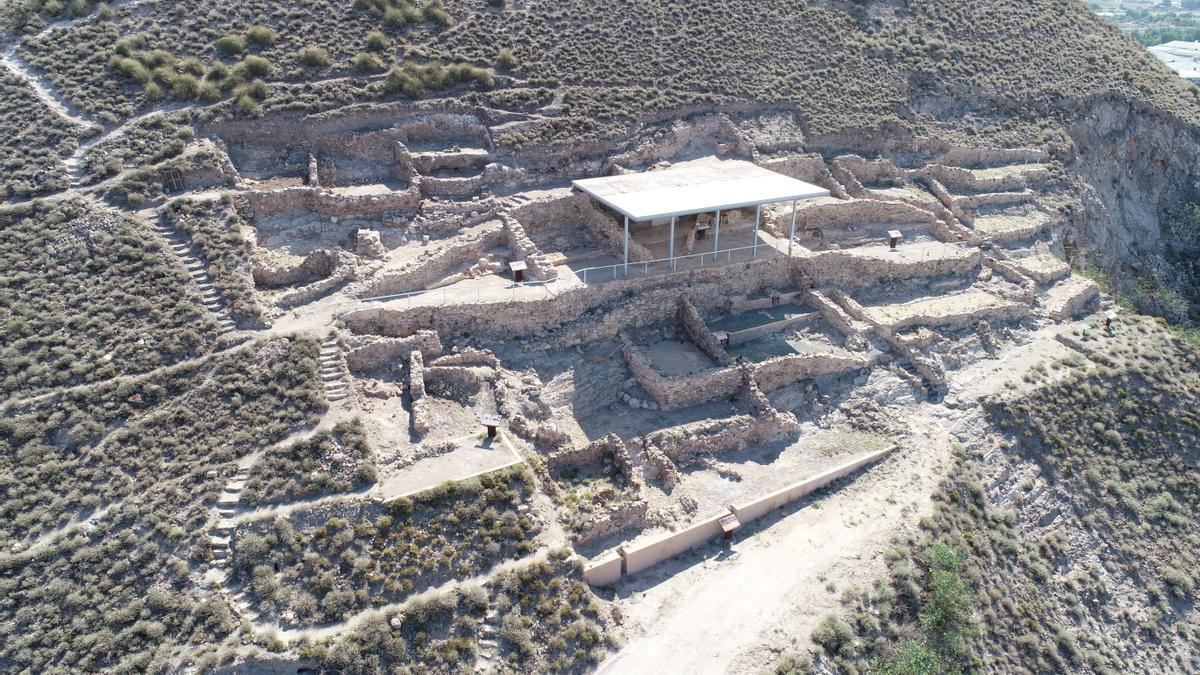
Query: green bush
x,y
314,57
230,45
377,41
368,63
505,59
833,635
251,67
262,35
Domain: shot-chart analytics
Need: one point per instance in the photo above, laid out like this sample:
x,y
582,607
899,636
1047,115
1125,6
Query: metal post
x,y
754,246
671,245
792,233
626,245
717,236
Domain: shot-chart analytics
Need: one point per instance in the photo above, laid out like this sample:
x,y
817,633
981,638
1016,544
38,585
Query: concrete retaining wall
x,y
649,551
604,571
757,508
641,555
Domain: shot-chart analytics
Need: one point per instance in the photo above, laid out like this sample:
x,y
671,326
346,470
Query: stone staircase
x,y
182,247
333,370
227,504
487,661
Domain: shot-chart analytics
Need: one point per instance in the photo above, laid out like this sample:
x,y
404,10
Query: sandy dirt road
x,y
720,610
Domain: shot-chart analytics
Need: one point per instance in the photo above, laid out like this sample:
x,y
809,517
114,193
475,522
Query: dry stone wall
x,y
846,268
698,330
626,304
416,389
365,353
435,265
611,520
810,169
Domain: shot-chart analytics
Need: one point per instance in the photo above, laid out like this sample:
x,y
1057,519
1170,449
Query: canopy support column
x,y
671,244
717,236
754,246
626,245
792,232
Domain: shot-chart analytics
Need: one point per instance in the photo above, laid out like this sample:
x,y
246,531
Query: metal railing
x,y
692,261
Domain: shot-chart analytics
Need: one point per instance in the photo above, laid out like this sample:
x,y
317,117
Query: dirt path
x,y
41,88
733,610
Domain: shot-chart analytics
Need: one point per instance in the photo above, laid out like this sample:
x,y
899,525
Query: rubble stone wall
x,y
698,330
783,371
435,265
626,304
316,265
845,268
680,392
612,520
810,169
416,389
368,352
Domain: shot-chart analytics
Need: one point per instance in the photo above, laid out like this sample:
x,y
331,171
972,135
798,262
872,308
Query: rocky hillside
x,y
891,78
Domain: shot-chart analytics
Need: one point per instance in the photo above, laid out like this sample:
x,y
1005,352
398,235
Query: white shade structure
x,y
700,186
695,187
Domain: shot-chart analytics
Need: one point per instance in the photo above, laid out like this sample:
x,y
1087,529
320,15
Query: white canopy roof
x,y
695,187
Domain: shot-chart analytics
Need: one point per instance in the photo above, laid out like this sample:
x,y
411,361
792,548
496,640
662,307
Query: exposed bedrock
x,y
1137,162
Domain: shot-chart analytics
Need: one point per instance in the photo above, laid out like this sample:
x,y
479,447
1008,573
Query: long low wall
x,y
757,508
628,304
642,554
852,269
743,336
658,548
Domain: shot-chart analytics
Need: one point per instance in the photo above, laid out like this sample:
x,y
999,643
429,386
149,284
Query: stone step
x,y
223,526
218,542
228,500
226,513
235,485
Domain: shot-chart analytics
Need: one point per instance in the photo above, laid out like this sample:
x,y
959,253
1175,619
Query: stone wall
x,y
834,315
660,467
437,264
619,305
854,216
523,248
365,353
451,186
610,447
416,390
957,179
315,266
870,172
783,371
680,392
469,356
543,435
985,157
457,383
994,199
810,169
698,330
611,520
847,268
